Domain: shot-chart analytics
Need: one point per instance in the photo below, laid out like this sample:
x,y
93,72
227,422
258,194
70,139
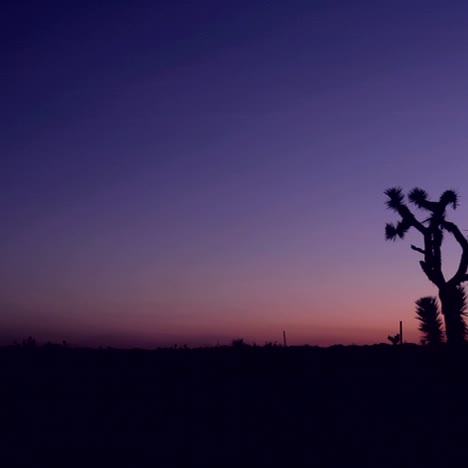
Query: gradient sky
x,y
196,171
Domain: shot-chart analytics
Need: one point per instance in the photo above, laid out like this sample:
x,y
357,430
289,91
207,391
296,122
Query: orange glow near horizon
x,y
194,175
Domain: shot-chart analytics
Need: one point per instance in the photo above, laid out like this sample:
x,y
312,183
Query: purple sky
x,y
192,172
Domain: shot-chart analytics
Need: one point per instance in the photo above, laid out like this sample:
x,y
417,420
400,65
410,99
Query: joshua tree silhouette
x,y
427,312
432,229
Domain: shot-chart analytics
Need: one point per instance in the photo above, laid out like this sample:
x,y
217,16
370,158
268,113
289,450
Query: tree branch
x,y
453,228
460,275
430,266
418,249
409,217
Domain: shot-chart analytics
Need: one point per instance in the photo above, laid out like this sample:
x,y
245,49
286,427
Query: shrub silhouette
x,y
29,343
239,343
427,312
432,229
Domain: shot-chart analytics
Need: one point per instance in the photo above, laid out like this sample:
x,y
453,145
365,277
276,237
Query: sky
x,y
197,171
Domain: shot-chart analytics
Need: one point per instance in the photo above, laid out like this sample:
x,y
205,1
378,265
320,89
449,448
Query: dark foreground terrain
x,y
261,406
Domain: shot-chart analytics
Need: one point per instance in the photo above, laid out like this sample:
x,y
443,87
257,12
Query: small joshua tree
x,y
394,339
432,229
427,312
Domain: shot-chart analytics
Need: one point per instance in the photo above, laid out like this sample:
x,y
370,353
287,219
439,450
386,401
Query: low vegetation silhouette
x,y
231,406
432,229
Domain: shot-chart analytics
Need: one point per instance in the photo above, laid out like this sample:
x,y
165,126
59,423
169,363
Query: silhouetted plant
x,y
271,344
29,343
394,339
432,230
427,312
239,343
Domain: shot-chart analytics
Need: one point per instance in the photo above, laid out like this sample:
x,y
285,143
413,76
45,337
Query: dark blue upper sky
x,y
192,170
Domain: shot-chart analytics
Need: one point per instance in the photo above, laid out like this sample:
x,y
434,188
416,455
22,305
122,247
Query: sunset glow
x,y
194,173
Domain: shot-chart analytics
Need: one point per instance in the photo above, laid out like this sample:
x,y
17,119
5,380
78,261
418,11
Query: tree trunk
x,y
455,328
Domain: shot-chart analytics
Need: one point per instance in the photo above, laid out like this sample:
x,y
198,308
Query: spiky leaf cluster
x,y
418,197
449,197
395,198
393,231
